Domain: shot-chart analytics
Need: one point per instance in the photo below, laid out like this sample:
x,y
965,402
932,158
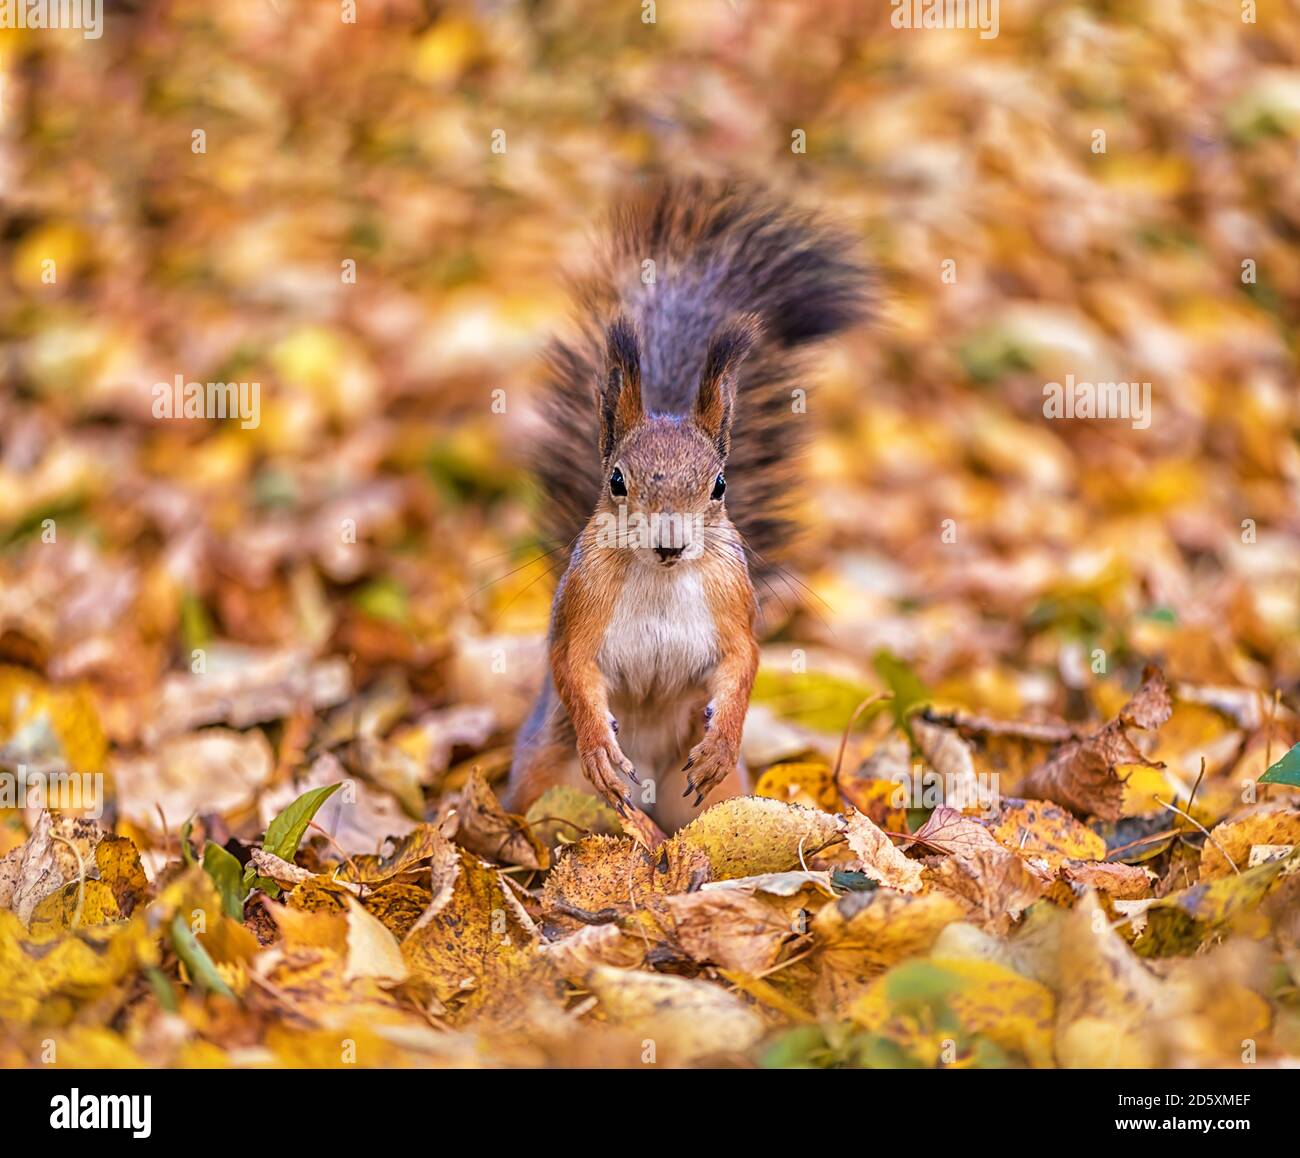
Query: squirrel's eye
x,y
617,487
719,486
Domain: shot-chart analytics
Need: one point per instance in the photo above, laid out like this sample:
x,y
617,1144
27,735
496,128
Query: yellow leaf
x,y
749,835
810,785
988,1000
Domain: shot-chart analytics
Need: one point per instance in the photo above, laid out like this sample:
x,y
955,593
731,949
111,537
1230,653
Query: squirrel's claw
x,y
602,765
710,762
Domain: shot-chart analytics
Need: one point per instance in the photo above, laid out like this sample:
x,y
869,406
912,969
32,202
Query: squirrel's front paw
x,y
709,762
601,764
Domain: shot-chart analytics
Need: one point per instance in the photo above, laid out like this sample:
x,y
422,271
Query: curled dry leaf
x,y
104,868
746,932
425,842
777,884
602,878
879,858
575,955
274,868
469,954
1081,775
487,829
948,830
997,885
1127,882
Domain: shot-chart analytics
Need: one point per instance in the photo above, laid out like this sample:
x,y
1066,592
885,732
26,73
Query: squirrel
x,y
666,461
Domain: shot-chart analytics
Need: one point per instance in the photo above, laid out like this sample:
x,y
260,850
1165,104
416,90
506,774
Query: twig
x,y
81,879
356,872
167,836
1209,835
1200,776
844,738
1141,840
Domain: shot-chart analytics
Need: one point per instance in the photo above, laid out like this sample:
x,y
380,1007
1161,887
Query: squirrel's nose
x,y
667,553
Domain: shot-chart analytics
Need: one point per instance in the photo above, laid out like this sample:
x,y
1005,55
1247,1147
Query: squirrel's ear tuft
x,y
620,392
716,398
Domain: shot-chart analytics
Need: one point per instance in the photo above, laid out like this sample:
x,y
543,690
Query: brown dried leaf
x,y
878,857
1127,882
950,831
996,884
1081,775
489,831
602,878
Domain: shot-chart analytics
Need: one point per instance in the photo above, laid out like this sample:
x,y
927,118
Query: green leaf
x,y
852,881
228,875
909,692
384,599
196,623
1285,771
196,958
162,989
187,853
803,1047
285,831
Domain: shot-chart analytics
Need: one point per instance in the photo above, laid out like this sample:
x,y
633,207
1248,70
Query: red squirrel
x,y
671,426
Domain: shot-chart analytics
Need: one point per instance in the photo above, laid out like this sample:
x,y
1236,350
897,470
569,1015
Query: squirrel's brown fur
x,y
719,252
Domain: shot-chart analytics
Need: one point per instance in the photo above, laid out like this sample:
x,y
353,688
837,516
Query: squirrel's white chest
x,y
661,637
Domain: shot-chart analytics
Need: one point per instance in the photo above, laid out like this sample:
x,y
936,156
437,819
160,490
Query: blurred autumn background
x,y
184,607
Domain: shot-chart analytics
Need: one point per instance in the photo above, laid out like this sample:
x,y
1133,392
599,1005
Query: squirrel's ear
x,y
716,397
620,392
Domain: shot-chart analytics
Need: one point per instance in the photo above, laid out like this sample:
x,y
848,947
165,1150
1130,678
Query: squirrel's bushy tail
x,y
680,262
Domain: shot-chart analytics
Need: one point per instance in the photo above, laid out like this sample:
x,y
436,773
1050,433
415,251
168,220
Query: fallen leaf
x,y
1081,774
948,830
748,835
682,1020
1236,837
878,856
486,829
372,950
